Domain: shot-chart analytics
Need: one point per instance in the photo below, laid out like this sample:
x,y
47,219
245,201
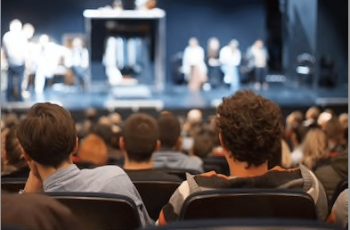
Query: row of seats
x,y
108,211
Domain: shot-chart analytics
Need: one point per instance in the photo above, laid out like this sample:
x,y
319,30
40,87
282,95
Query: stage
x,y
127,99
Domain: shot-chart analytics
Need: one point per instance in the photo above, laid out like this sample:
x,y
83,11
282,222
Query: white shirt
x,y
230,57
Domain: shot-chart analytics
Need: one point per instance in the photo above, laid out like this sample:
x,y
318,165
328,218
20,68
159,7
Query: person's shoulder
x,y
108,169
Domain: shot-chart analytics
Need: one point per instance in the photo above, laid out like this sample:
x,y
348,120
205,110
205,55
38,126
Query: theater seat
x,y
181,173
155,194
13,185
248,203
247,224
100,210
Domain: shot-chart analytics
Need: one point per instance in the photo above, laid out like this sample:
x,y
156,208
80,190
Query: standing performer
x,y
258,56
193,65
15,45
230,58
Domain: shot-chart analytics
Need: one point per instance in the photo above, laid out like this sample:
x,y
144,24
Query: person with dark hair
x,y
169,155
48,138
138,141
14,164
250,131
35,211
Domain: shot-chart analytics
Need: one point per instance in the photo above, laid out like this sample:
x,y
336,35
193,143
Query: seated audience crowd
x,y
106,154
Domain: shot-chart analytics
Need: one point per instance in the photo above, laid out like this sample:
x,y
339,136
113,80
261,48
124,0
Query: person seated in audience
x,y
14,164
339,214
169,154
336,143
315,149
48,139
311,116
93,151
250,131
138,142
35,211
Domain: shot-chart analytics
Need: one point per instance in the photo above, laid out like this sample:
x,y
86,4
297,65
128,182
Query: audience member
x,y
311,116
93,150
334,132
48,138
138,141
250,131
339,214
315,149
35,211
169,154
14,164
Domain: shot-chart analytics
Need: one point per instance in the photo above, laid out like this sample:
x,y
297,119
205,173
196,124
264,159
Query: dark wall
x,y
318,27
332,43
225,19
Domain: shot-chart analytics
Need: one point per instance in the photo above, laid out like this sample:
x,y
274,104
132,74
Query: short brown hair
x,y
47,134
169,129
140,134
251,127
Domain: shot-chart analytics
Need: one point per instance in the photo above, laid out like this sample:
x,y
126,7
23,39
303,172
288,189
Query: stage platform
x,y
126,99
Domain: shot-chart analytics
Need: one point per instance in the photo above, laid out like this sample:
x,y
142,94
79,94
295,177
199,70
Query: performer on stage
x,y
79,62
258,56
230,58
213,62
193,65
15,46
47,60
28,30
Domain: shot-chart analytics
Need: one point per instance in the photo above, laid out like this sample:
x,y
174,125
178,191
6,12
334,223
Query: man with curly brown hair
x,y
250,131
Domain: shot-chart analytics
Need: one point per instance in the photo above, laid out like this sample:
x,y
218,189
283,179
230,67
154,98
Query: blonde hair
x,y
314,147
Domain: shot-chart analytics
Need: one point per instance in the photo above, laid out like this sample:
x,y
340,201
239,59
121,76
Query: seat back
x,y
247,224
249,203
155,194
13,185
181,173
100,210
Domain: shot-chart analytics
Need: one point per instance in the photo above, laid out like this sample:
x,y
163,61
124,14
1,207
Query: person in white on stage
x,y
230,58
78,61
15,49
258,56
193,65
48,57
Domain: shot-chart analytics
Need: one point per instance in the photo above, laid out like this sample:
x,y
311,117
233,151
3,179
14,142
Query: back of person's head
x,y
314,147
203,143
250,127
93,150
334,130
169,130
13,151
312,113
36,211
47,134
140,134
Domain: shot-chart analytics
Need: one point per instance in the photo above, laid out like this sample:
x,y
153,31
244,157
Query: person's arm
x,y
171,211
34,182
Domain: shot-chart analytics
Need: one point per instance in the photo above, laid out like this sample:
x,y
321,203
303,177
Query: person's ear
x,y
76,147
222,142
122,143
157,146
178,145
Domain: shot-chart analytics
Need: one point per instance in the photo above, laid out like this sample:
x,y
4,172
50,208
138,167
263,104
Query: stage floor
x,y
174,97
